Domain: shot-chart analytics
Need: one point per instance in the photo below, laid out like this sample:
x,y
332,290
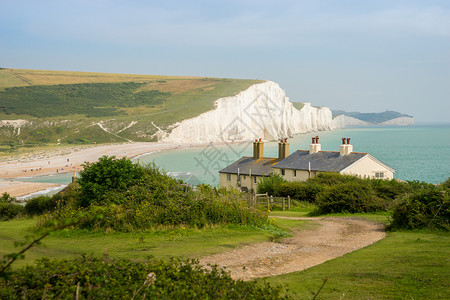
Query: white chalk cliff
x,y
400,121
261,111
343,121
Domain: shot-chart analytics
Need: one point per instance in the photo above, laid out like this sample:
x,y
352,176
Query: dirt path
x,y
333,237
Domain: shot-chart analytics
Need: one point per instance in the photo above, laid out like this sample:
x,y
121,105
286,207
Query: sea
x,y
416,152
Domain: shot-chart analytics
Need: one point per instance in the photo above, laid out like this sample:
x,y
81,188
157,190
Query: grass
x,y
164,243
404,265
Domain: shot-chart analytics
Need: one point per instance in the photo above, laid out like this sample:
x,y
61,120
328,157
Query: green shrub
x,y
303,191
9,210
133,197
389,189
428,207
268,184
107,278
332,178
108,175
39,205
351,197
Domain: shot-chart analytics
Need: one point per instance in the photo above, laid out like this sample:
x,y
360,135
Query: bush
x,y
428,207
39,205
350,197
268,184
10,210
146,197
107,278
105,176
303,191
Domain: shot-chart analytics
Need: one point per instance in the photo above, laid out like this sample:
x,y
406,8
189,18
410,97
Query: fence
x,y
285,202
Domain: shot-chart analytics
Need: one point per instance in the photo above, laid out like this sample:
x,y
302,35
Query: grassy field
x,y
69,105
404,265
164,243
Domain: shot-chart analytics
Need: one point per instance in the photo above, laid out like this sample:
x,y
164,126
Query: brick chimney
x,y
258,149
283,149
315,146
346,148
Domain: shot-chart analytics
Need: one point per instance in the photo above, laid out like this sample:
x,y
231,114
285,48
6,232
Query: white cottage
x,y
246,172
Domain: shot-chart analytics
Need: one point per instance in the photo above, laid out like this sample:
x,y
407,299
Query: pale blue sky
x,y
355,55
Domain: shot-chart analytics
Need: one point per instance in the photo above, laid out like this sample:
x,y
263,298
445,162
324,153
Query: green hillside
x,y
54,107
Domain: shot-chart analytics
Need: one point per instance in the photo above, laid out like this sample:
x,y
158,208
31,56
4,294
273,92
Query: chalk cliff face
x,y
342,121
261,111
400,121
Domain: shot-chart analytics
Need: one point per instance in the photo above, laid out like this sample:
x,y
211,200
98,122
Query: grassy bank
x,y
163,243
404,265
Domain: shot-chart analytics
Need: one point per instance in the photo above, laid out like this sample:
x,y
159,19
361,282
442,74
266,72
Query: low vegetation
x,y
131,197
413,204
90,99
103,277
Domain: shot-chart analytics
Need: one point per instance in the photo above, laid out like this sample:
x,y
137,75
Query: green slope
x,y
127,107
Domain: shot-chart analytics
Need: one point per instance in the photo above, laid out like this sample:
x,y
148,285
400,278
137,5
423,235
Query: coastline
x,y
68,160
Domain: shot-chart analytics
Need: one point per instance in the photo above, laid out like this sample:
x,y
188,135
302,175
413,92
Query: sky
x,y
353,55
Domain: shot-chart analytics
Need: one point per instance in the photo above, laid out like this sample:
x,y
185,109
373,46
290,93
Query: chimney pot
x,y
348,141
260,140
343,141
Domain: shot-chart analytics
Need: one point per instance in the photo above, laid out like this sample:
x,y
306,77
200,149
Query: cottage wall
x,y
301,175
246,181
367,167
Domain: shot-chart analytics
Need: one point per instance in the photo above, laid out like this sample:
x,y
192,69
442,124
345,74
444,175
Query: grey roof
x,y
259,167
330,161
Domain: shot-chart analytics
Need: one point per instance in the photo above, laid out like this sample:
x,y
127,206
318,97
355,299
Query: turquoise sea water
x,y
417,152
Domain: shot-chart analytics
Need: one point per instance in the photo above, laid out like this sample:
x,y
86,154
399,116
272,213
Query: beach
x,y
67,160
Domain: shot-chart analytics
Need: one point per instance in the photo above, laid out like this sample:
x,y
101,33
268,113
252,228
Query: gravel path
x,y
333,237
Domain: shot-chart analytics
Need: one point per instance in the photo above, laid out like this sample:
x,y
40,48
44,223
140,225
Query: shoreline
x,y
68,160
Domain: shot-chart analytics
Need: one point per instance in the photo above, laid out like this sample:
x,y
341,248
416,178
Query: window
x,y
228,177
283,172
254,179
379,175
295,173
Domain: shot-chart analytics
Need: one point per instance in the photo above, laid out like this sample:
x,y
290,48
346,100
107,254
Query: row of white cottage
x,y
246,172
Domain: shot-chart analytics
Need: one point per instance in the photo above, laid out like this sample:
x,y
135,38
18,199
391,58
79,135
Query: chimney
x,y
283,149
258,149
261,148
255,149
315,146
280,149
346,148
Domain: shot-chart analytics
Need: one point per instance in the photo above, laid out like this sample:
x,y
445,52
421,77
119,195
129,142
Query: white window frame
x,y
228,177
379,175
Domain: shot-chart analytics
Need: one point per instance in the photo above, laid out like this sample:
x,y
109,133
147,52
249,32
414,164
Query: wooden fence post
x,y
282,202
289,203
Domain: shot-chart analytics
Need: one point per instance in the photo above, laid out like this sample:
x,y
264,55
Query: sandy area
x,y
333,237
20,188
68,160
